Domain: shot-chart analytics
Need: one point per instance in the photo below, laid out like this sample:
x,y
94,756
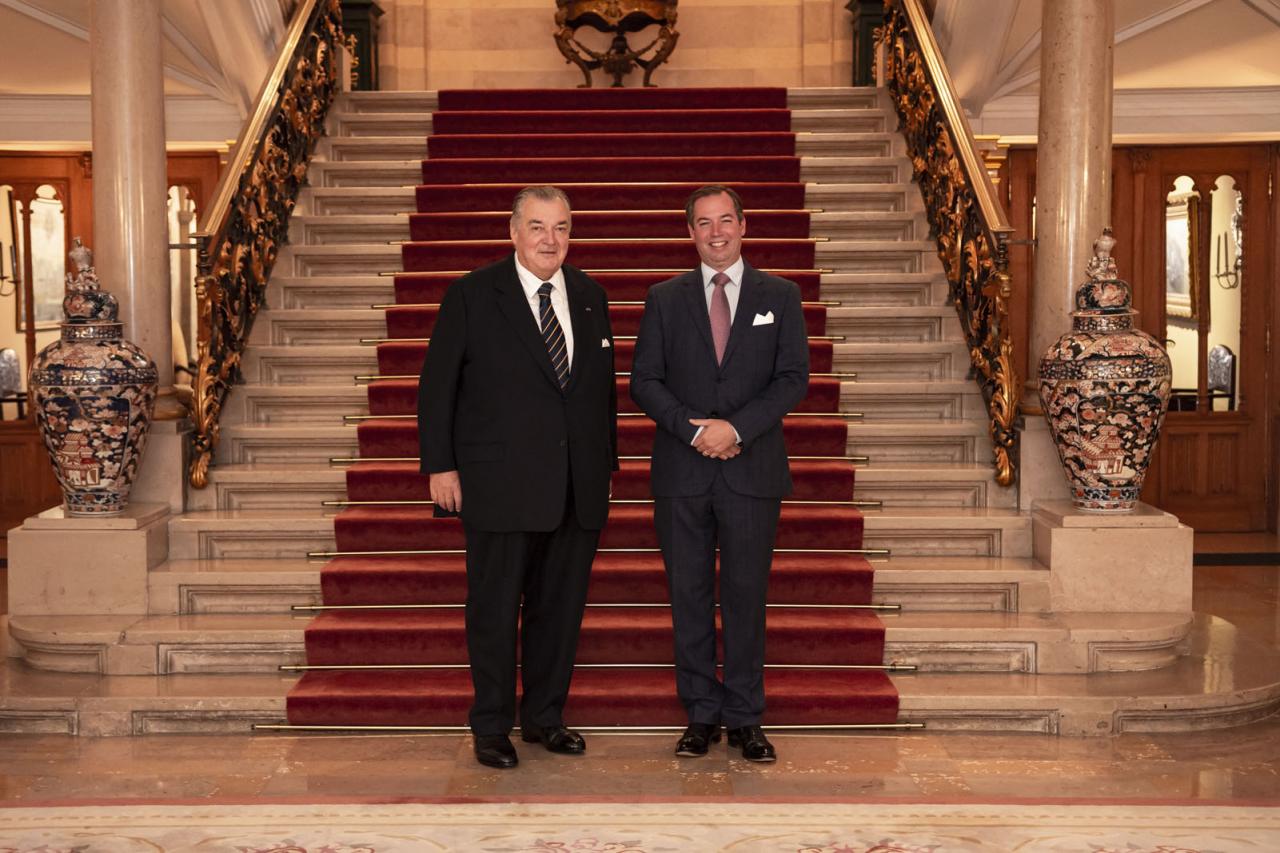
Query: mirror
x,y
1181,236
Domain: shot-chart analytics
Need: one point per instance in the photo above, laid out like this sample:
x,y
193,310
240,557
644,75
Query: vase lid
x,y
85,300
1105,292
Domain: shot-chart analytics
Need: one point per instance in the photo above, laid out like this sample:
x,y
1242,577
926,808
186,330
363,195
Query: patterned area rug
x,y
639,828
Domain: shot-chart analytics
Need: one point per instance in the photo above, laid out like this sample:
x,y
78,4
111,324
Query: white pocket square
x,y
763,319
604,342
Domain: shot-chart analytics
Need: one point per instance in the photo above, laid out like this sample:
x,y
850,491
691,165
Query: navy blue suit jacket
x,y
765,374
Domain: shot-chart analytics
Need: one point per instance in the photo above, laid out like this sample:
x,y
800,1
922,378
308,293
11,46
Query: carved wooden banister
x,y
968,223
248,221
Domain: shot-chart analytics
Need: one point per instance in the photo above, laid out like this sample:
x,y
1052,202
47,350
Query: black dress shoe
x,y
555,739
755,746
696,739
495,751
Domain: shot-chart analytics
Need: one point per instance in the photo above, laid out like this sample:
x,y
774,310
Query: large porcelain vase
x,y
1104,388
94,394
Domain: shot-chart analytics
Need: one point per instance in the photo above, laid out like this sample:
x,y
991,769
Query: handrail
x,y
971,229
248,221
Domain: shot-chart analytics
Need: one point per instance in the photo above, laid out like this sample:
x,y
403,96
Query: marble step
x,y
844,197
294,405
933,484
982,584
414,123
1218,684
842,97
933,641
913,324
302,327
303,485
871,119
364,259
355,200
948,531
329,292
405,101
884,361
312,365
862,256
855,170
251,534
289,444
863,289
343,148
940,441
819,144
321,230
941,400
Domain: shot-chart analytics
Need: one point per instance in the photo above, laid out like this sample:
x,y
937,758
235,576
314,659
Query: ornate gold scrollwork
x,y
249,219
967,223
616,17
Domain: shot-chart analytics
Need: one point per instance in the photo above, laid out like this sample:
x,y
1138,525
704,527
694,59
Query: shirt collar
x,y
734,272
530,282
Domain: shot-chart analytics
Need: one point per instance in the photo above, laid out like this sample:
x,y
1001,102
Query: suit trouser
x,y
689,528
550,571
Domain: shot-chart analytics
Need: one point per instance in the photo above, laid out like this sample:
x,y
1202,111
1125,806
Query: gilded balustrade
x,y
967,222
248,221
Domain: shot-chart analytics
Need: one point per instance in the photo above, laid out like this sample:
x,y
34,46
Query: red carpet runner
x,y
628,191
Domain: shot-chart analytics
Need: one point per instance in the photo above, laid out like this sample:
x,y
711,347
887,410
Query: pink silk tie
x,y
719,314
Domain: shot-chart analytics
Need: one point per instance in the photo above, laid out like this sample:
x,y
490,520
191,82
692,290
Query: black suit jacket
x,y
764,375
489,404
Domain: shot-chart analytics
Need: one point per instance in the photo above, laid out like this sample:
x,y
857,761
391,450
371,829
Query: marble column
x,y
131,239
1073,198
130,221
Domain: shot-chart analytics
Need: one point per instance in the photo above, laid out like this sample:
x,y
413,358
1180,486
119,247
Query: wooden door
x,y
1203,273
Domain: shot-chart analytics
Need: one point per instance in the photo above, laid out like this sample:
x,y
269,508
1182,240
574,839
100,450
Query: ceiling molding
x,y
215,77
1270,9
1123,34
43,119
214,86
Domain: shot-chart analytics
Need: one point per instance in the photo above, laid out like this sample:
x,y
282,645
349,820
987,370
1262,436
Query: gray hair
x,y
542,193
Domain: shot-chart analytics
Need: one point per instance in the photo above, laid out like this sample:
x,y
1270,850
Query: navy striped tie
x,y
552,334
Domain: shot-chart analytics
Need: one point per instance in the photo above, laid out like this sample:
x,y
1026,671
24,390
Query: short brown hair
x,y
709,190
542,193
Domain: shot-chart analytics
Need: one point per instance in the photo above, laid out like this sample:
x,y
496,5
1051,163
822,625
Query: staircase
x,y
974,616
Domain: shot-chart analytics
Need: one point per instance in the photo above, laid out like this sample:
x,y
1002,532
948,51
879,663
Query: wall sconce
x,y
13,265
1226,275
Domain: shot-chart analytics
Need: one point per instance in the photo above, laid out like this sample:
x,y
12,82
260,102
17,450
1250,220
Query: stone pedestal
x,y
1136,562
64,566
1040,476
162,477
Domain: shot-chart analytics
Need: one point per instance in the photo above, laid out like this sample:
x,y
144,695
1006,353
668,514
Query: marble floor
x,y
1229,765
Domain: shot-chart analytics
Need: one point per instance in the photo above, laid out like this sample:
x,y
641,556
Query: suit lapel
x,y
580,319
744,316
515,307
696,295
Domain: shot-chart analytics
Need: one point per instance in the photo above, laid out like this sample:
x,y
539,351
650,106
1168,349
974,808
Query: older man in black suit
x,y
721,357
517,413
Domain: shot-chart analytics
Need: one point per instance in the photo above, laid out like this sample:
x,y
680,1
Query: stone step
x,y
941,441
838,120
837,97
303,327
932,484
861,256
271,444
943,400
189,587
948,531
340,201
329,292
813,144
862,289
325,230
296,405
929,583
855,170
365,173
842,197
363,259
343,148
933,641
275,487
894,324
810,97
406,101
253,534
312,365
882,361
331,229
384,123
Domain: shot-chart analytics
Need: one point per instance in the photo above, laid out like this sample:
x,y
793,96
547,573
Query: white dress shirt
x,y
731,291
559,302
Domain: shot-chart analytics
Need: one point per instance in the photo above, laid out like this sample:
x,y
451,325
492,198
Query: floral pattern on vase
x,y
1104,388
94,394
